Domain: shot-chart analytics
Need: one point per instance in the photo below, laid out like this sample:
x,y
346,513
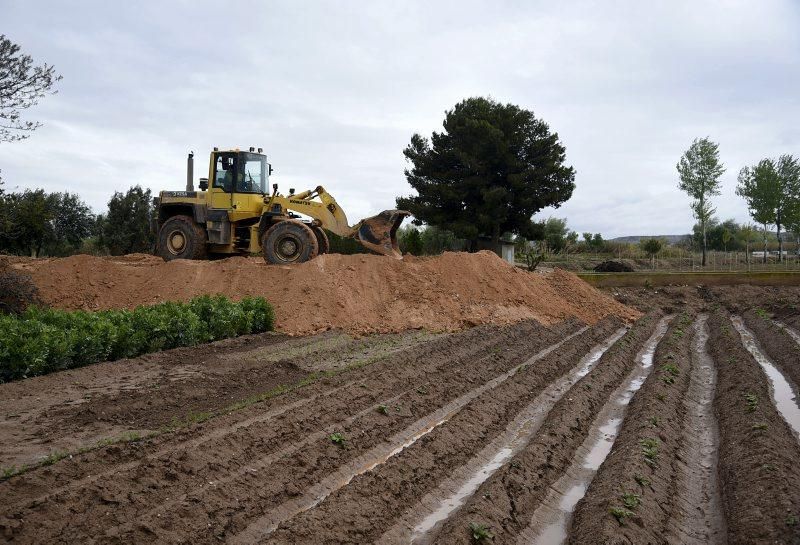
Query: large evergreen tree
x,y
126,228
491,169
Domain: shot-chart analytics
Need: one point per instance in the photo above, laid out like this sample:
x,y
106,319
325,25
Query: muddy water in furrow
x,y
265,525
790,330
550,521
702,520
783,393
418,526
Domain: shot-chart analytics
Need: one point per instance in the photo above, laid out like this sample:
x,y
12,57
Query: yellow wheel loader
x,y
236,215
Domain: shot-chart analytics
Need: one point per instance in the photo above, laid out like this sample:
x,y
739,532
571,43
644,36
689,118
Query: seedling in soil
x,y
54,457
480,532
422,390
661,397
620,514
752,402
791,520
759,427
653,421
337,438
768,467
8,472
650,450
671,368
642,480
631,500
383,409
668,379
761,313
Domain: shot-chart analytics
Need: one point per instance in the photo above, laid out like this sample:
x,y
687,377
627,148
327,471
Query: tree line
x,y
771,189
36,223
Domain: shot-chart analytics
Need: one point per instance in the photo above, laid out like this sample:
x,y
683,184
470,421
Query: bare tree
x,y
22,85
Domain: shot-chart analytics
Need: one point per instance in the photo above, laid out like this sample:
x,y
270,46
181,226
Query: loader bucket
x,y
379,233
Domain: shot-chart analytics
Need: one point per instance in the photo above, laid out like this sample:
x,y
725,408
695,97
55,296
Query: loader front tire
x,y
289,242
322,239
181,238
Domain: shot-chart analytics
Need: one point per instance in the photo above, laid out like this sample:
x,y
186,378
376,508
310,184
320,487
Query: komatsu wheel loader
x,y
236,215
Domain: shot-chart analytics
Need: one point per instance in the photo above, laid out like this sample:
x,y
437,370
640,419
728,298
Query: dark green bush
x,y
40,341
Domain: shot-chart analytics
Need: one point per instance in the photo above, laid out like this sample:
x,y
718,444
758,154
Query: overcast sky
x,y
334,90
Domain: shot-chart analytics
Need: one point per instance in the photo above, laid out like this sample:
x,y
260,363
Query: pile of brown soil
x,y
355,293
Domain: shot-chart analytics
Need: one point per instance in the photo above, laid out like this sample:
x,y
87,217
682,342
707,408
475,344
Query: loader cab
x,y
238,182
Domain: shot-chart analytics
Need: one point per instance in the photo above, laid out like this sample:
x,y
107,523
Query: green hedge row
x,y
42,341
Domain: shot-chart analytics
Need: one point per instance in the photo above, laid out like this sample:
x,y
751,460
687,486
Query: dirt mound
x,y
358,293
613,266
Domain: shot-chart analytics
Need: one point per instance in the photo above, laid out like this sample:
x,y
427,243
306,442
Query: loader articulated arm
x,y
378,233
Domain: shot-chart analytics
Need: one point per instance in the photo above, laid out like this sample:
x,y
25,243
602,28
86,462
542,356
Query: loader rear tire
x,y
289,242
322,239
181,238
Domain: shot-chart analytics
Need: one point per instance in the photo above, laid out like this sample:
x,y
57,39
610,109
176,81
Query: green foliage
x,y
409,240
480,532
620,514
631,500
760,427
337,438
494,166
792,520
752,402
36,223
651,246
383,409
40,341
650,450
126,227
700,170
642,480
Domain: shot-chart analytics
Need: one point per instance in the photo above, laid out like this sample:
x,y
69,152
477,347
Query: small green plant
x,y
631,500
642,480
54,457
752,402
761,313
653,421
383,409
661,397
768,467
791,520
650,450
8,472
422,390
759,427
480,532
671,368
668,379
620,514
337,438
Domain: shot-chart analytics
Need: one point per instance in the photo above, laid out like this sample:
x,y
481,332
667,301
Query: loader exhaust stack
x,y
379,233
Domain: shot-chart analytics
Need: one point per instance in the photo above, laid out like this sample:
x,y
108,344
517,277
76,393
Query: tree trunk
x,y
780,242
703,225
765,244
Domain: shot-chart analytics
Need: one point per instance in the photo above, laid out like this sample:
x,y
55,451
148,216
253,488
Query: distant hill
x,y
671,239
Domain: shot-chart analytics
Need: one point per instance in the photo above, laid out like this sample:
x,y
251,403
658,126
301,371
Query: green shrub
x,y
41,341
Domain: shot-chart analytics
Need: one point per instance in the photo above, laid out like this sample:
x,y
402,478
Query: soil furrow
x,y
758,451
657,484
506,501
784,393
372,502
549,522
778,344
179,458
266,524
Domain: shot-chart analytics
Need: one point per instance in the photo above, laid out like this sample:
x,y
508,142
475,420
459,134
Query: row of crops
x,y
41,341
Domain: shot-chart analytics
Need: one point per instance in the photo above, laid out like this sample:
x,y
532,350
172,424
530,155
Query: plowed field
x,y
681,427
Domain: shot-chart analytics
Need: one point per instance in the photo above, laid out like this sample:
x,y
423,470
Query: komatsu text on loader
x,y
236,215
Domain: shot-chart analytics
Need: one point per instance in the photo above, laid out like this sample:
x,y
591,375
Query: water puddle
x,y
457,489
791,331
699,487
782,393
378,455
550,522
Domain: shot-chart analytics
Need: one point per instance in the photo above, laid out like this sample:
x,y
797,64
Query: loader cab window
x,y
225,171
253,178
